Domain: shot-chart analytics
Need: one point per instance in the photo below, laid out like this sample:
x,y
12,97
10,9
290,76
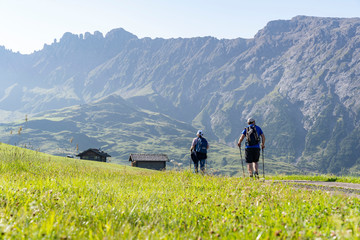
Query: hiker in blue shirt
x,y
252,133
198,151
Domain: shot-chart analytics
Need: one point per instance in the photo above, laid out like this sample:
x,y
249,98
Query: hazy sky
x,y
25,25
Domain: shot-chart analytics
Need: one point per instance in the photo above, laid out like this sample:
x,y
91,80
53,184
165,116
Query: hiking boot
x,y
256,175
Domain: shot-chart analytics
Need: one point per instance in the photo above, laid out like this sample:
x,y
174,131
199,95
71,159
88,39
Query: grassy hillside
x,y
116,126
56,198
120,128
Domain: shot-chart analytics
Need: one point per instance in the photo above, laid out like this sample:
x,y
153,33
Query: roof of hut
x,y
149,157
96,151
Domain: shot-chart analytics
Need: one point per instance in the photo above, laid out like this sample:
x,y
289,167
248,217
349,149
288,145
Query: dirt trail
x,y
350,189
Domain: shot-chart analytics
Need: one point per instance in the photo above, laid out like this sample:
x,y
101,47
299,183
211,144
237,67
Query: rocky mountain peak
x,y
119,34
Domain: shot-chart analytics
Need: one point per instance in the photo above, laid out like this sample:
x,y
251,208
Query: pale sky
x,y
26,25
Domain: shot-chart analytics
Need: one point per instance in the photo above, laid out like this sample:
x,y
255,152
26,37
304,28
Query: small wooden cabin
x,y
150,161
94,154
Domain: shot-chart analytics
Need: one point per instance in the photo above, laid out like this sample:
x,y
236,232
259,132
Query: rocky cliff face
x,y
299,79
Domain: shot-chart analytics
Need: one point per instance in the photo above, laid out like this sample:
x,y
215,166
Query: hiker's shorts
x,y
252,155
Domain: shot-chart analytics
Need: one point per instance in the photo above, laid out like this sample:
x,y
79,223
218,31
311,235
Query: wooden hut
x,y
150,161
94,154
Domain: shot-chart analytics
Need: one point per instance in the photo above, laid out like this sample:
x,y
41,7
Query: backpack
x,y
252,136
201,145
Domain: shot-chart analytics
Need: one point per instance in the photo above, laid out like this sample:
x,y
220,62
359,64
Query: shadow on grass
x,y
333,179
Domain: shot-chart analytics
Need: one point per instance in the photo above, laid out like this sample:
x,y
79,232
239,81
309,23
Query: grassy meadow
x,y
47,197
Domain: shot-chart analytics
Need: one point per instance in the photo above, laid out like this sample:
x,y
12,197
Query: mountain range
x,y
298,78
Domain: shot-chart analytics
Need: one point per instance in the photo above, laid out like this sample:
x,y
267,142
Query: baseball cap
x,y
200,132
250,120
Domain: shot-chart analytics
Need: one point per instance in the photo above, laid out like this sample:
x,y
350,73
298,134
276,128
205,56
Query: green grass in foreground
x,y
45,197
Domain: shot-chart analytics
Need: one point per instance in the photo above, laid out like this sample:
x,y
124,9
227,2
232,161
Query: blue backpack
x,y
201,145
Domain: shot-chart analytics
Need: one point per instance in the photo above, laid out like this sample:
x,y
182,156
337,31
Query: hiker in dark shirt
x,y
252,133
198,150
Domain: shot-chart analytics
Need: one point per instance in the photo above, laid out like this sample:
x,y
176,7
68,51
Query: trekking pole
x,y
242,163
263,163
190,163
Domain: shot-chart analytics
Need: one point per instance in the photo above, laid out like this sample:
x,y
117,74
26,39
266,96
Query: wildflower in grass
x,y
19,130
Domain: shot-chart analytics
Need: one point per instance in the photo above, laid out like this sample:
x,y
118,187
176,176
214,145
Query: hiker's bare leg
x,y
256,166
250,168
